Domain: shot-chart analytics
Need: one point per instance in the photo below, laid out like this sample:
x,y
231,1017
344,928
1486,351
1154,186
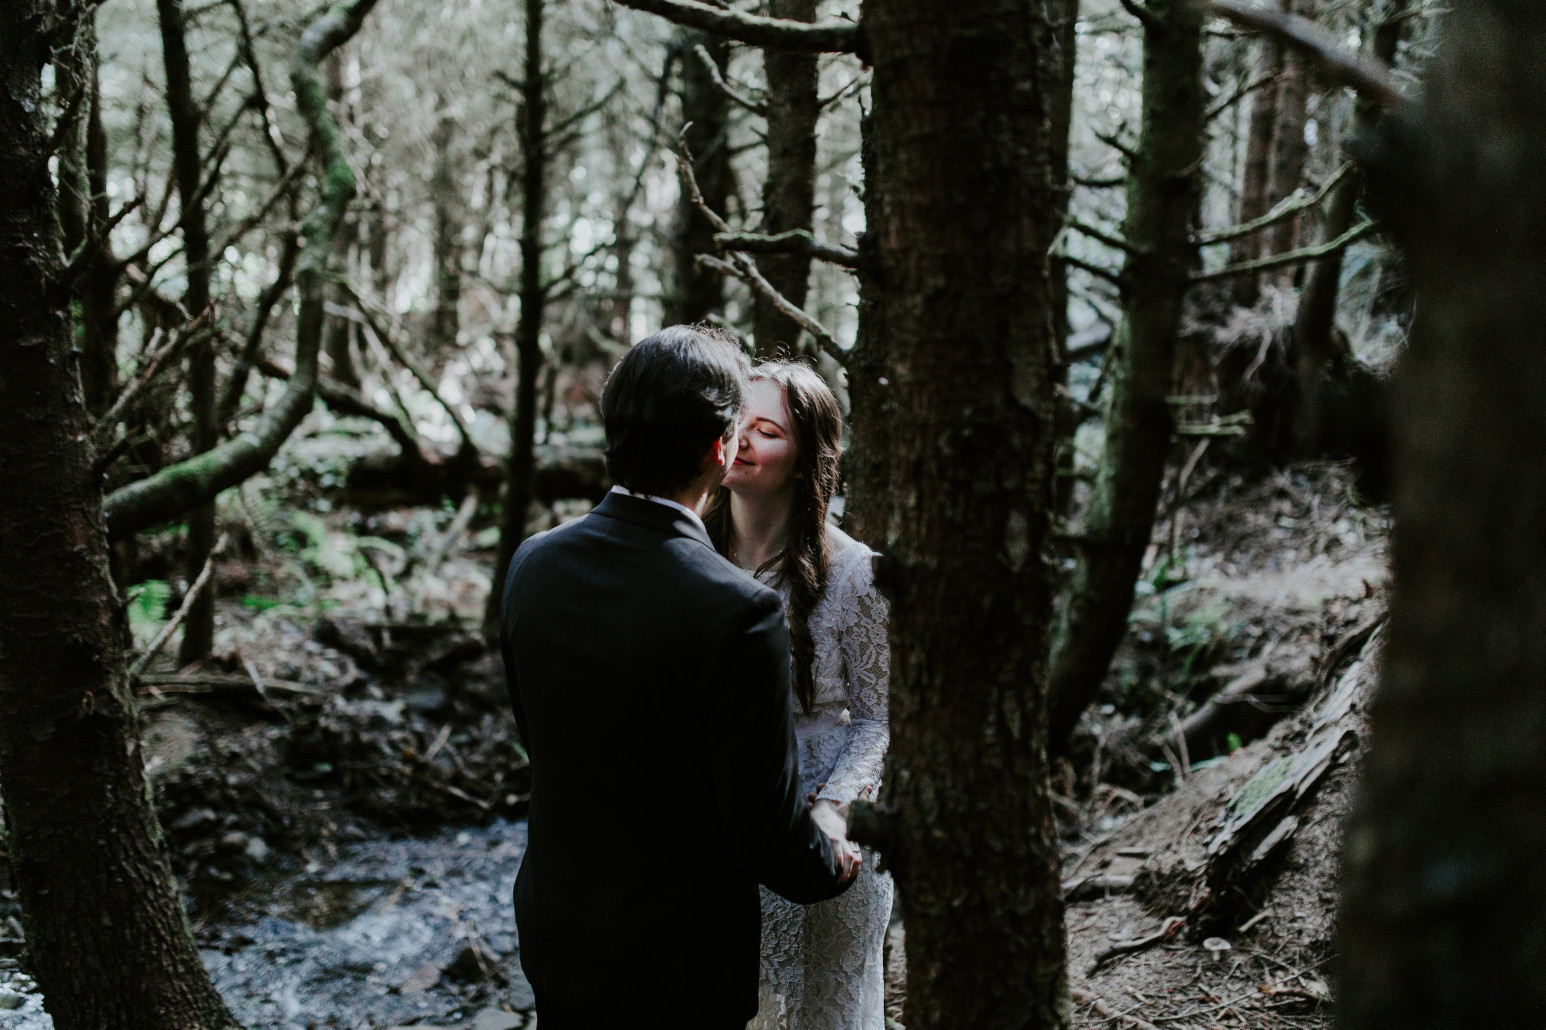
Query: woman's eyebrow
x,y
772,422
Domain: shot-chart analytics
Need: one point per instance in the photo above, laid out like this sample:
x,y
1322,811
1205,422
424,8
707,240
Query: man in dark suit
x,y
650,679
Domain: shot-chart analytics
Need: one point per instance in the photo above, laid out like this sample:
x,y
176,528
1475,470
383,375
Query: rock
x,y
11,1000
474,963
497,1019
257,850
194,819
421,979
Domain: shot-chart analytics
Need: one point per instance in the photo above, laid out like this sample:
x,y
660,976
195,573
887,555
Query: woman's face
x,y
765,463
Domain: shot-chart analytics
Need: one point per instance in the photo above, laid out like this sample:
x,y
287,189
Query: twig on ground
x,y
1167,930
1098,1003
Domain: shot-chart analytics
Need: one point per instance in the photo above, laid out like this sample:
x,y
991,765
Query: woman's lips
x,y
743,461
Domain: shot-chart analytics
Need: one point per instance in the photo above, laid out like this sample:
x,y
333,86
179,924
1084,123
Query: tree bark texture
x,y
1444,898
107,938
1258,164
83,218
188,166
181,487
528,330
1164,181
789,191
696,292
952,388
1064,17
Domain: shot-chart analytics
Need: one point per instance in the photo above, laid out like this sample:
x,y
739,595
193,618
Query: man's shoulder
x,y
722,577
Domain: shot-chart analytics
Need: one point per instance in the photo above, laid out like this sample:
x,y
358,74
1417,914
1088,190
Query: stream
x,y
395,932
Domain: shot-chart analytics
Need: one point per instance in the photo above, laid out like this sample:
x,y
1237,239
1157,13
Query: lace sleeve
x,y
862,638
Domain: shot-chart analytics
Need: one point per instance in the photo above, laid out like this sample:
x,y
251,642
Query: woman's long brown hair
x,y
803,563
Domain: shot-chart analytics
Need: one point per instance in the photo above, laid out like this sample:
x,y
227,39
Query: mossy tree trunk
x,y
1162,191
1444,891
107,937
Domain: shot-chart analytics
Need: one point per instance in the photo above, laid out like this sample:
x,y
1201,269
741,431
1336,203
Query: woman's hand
x,y
829,817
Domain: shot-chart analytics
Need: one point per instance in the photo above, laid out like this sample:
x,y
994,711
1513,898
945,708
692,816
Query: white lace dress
x,y
822,966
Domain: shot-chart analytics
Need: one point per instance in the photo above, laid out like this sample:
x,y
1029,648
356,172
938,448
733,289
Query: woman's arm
x,y
866,652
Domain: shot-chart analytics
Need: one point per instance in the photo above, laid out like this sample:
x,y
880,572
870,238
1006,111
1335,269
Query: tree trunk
x,y
83,217
789,191
106,934
1258,165
1314,321
446,320
1163,187
1289,149
698,293
1064,17
187,163
1444,891
528,330
338,337
952,387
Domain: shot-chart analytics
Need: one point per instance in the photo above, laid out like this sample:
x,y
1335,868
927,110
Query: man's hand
x,y
829,818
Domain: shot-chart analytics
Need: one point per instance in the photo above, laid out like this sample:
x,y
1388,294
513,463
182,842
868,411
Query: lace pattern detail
x,y
822,965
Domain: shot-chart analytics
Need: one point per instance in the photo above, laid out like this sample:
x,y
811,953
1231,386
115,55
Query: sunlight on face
x,y
765,464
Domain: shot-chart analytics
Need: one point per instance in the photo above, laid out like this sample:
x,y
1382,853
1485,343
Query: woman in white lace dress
x,y
822,965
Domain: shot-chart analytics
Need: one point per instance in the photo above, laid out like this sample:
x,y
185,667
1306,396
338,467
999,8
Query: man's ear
x,y
718,456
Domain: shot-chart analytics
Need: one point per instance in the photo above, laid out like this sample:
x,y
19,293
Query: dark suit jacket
x,y
650,679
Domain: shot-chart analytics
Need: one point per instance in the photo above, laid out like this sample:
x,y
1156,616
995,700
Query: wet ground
x,y
415,931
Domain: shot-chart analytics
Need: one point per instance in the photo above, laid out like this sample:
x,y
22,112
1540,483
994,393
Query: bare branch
x,y
1142,13
1100,236
795,241
1108,274
756,107
1290,206
829,37
366,306
1245,89
1292,257
182,613
1337,63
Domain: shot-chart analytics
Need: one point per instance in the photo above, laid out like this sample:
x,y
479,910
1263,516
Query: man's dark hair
x,y
666,403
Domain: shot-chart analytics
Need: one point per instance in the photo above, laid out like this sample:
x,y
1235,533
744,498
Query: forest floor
x,y
342,790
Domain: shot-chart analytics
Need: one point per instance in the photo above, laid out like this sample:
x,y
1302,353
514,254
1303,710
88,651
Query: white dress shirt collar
x,y
668,502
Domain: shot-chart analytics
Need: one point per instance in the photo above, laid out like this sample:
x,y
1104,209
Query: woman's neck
x,y
760,528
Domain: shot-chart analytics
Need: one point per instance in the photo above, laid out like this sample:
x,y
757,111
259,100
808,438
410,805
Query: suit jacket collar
x,y
660,517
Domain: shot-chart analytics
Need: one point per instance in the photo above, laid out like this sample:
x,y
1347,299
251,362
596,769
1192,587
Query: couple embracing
x,y
699,674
